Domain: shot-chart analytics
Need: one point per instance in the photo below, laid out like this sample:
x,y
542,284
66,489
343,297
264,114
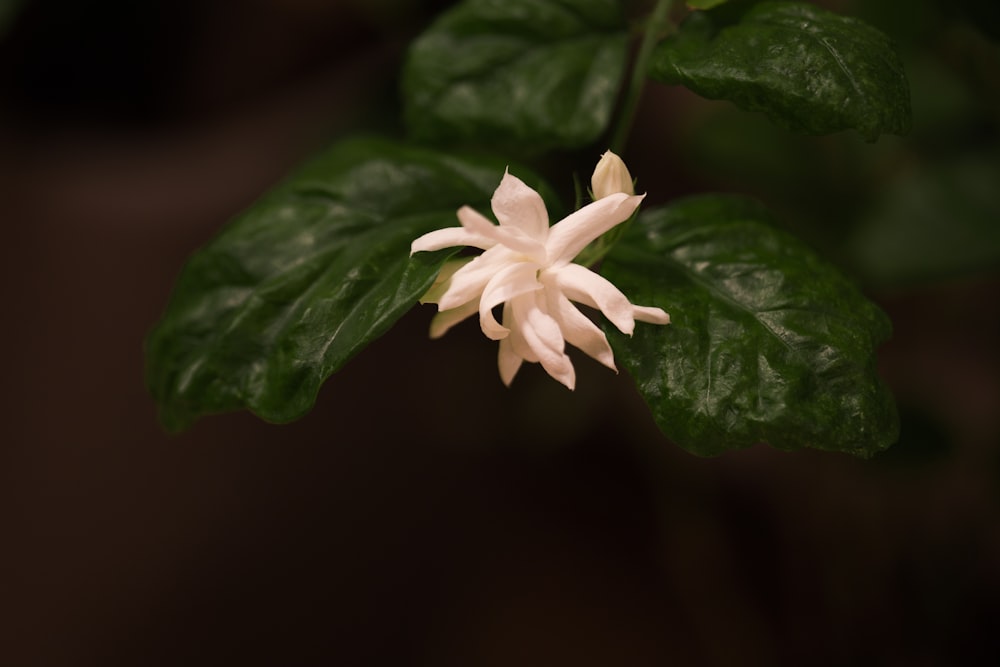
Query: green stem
x,y
658,20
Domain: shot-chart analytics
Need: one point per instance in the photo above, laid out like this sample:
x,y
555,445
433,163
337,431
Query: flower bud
x,y
610,176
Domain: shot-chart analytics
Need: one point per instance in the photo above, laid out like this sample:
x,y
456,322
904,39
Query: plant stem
x,y
657,22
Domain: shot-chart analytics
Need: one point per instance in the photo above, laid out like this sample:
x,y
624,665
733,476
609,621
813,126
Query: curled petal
x,y
512,237
474,221
449,237
650,314
443,280
516,340
468,282
543,336
510,282
508,359
578,330
584,286
518,206
446,319
574,232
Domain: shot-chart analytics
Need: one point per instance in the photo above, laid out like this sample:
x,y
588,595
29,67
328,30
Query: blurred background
x,y
422,513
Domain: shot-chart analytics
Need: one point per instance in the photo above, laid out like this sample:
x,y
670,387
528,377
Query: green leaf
x,y
530,75
809,70
767,342
307,277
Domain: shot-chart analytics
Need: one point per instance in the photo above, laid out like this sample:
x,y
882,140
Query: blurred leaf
x,y
817,187
767,343
949,113
907,22
529,75
925,439
704,4
938,221
8,10
984,14
306,278
809,70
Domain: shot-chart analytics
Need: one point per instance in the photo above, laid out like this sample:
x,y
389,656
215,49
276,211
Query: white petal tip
x,y
495,333
607,360
650,315
566,379
437,330
508,365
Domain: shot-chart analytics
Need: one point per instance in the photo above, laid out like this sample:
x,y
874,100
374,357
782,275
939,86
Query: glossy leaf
x,y
767,343
529,75
808,69
307,277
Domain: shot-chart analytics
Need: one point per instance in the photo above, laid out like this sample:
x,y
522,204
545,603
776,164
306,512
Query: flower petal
x,y
512,237
574,232
508,283
543,336
508,360
516,338
474,221
442,282
518,206
651,314
578,330
449,237
446,319
468,282
584,286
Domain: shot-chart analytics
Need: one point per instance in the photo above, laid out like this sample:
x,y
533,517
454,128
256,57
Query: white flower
x,y
527,266
611,176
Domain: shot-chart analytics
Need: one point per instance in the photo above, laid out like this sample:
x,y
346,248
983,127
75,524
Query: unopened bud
x,y
610,177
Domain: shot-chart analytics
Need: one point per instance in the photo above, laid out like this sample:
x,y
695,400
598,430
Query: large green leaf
x,y
529,75
308,276
809,70
768,343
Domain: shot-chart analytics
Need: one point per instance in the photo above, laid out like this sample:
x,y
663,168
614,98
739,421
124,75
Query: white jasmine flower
x,y
527,266
610,176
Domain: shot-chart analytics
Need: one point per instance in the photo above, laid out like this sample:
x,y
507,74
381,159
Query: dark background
x,y
404,521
